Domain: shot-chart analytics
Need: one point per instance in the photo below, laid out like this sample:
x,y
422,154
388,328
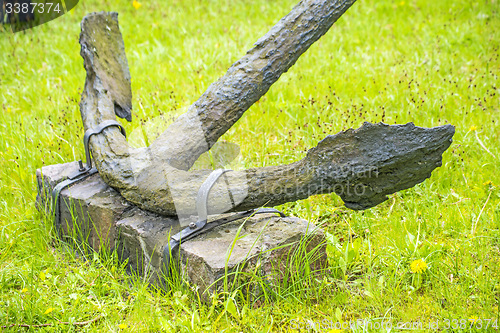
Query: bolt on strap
x,y
201,226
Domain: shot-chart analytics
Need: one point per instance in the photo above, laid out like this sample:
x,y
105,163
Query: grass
x,y
430,62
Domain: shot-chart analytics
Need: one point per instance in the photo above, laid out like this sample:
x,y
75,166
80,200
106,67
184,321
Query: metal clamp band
x,y
202,197
84,171
61,186
201,206
96,130
196,228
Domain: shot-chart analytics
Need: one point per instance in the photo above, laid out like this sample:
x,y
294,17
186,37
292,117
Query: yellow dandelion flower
x,y
489,182
24,290
473,319
42,276
136,4
122,326
418,266
473,128
402,3
49,310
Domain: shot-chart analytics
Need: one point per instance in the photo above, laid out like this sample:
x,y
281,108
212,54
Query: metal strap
x,y
84,171
61,186
196,228
201,205
202,198
231,218
171,247
96,130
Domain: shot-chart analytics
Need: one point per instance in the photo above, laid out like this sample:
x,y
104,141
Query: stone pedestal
x,y
93,215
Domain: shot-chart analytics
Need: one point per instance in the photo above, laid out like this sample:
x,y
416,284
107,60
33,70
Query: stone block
x,y
265,242
143,236
94,215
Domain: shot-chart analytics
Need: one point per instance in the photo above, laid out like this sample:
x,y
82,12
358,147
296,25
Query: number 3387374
x,y
31,7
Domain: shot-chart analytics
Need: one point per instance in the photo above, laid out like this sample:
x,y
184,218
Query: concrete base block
x,y
95,216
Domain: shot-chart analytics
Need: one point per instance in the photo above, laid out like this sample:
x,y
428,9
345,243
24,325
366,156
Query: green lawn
x,y
429,62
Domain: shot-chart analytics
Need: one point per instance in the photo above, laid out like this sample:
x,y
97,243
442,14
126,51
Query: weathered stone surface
x,y
91,202
362,165
265,241
143,236
110,62
95,215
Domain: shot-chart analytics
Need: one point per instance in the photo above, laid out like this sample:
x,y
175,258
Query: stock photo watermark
x,y
368,324
19,15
